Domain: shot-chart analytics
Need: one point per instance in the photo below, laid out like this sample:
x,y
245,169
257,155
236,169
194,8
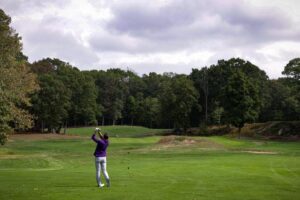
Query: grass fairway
x,y
151,168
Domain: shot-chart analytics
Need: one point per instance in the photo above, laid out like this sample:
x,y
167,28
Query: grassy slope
x,y
117,131
64,169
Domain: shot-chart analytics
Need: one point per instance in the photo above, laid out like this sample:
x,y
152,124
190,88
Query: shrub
x,y
3,138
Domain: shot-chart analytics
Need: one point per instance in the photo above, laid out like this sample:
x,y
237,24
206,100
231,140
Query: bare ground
x,y
184,141
39,136
261,152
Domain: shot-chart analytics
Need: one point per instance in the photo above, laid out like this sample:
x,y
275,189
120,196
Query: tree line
x,y
50,94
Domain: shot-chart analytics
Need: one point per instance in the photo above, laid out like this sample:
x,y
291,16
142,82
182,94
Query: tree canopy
x,y
16,80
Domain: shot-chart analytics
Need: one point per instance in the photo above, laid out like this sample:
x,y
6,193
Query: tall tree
x,y
131,109
151,109
83,108
16,81
241,100
112,89
200,79
51,103
218,78
177,99
292,69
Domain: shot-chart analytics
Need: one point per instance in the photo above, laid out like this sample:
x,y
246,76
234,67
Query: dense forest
x,y
50,94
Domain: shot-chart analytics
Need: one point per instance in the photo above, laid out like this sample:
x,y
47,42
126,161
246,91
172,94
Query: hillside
x,y
274,129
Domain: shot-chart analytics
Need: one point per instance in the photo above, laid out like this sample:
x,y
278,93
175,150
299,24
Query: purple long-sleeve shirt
x,y
102,144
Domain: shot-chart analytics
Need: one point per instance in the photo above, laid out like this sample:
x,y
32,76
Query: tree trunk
x,y
114,121
42,126
131,121
206,107
65,128
205,90
240,132
102,120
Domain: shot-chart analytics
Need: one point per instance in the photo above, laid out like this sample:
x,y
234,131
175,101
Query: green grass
x,y
140,168
118,131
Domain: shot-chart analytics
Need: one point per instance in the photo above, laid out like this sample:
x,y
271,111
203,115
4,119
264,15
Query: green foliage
x,y
169,100
241,100
282,104
217,114
112,90
51,102
151,107
131,108
78,94
4,130
200,79
177,99
203,129
292,69
283,95
16,81
10,42
3,137
211,82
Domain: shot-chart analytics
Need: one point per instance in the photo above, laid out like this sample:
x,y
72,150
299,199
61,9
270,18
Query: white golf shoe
x,y
101,185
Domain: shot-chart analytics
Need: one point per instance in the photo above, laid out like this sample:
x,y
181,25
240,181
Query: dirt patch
x,y
10,155
261,152
185,141
37,136
7,156
176,140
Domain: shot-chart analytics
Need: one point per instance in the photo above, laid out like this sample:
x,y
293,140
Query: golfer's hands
x,y
97,130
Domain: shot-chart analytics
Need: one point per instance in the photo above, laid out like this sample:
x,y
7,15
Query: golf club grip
x,y
100,134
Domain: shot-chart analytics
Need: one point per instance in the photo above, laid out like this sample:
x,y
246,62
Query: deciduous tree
x,y
16,81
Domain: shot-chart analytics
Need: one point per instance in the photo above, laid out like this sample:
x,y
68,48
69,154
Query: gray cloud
x,y
136,18
138,34
50,43
232,21
228,28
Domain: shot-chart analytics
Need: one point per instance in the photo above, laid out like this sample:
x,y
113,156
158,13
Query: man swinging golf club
x,y
100,156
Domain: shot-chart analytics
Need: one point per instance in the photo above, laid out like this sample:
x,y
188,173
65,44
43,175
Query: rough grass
x,y
211,168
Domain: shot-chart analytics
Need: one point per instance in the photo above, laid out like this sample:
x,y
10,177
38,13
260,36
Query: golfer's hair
x,y
105,136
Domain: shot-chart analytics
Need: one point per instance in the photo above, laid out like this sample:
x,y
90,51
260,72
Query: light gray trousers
x,y
101,166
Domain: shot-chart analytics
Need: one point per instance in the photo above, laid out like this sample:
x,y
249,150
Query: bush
x,y
203,130
3,138
4,129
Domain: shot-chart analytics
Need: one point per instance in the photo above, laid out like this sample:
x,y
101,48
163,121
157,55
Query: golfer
x,y
100,156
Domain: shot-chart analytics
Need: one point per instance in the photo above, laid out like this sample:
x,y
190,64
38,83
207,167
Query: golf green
x,y
154,167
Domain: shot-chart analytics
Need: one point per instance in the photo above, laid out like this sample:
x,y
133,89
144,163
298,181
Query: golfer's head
x,y
105,136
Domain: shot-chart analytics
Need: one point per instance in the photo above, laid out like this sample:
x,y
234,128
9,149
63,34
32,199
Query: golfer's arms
x,y
94,138
100,135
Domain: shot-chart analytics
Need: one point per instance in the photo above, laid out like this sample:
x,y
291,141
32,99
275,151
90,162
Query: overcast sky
x,y
158,35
